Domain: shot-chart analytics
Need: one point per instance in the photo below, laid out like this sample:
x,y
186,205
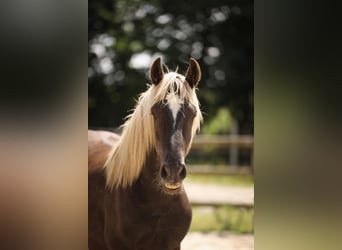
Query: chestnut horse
x,y
136,197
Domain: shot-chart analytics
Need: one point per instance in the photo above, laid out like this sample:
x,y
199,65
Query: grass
x,y
208,219
227,180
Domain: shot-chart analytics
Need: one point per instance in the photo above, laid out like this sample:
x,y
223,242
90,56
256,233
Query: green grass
x,y
222,219
237,180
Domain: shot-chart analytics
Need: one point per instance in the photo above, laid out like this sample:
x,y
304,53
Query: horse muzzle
x,y
172,176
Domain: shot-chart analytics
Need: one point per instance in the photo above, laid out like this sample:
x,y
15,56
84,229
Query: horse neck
x,y
149,172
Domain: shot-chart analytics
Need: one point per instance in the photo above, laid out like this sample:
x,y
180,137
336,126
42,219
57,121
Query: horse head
x,y
173,118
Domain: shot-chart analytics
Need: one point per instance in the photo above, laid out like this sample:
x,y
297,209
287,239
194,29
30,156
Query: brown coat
x,y
136,218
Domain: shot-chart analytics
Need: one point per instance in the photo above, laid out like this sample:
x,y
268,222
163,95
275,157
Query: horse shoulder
x,y
99,145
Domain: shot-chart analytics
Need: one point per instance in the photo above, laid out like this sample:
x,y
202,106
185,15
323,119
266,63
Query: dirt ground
x,y
214,193
218,241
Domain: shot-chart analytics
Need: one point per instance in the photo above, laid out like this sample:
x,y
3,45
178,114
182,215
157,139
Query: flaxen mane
x,y
127,158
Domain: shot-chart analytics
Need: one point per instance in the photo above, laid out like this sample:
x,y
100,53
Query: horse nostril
x,y
182,172
164,172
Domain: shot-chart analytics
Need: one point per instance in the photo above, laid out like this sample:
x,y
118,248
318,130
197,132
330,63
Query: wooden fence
x,y
242,141
225,142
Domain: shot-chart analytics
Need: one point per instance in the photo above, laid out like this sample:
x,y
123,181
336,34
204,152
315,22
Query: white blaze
x,y
174,103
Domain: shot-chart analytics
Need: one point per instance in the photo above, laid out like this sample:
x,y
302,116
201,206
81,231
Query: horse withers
x,y
136,197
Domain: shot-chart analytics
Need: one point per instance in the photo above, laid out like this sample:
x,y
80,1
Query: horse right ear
x,y
193,73
156,71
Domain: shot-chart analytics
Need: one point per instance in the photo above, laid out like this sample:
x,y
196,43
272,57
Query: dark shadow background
x,y
124,36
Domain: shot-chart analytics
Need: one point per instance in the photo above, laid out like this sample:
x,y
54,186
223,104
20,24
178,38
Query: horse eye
x,y
192,112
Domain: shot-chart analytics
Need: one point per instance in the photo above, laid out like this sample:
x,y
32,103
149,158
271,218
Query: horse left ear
x,y
193,73
156,71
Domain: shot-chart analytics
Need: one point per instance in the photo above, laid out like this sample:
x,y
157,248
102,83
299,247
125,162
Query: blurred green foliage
x,y
124,36
220,123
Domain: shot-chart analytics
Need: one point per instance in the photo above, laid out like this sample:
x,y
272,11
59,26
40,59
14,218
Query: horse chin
x,y
172,188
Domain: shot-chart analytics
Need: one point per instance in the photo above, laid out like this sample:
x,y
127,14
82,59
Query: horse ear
x,y
156,71
193,73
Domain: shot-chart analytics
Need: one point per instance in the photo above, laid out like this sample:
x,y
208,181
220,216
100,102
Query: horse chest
x,y
161,219
153,226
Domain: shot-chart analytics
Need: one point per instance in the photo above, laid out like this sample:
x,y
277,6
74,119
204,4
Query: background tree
x,y
124,36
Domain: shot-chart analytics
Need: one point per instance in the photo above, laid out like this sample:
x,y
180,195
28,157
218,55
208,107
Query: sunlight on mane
x,y
127,158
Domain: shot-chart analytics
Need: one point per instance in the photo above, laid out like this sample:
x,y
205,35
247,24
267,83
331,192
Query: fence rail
x,y
219,170
223,141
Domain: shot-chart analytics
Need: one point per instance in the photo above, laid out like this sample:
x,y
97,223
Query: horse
x,y
137,200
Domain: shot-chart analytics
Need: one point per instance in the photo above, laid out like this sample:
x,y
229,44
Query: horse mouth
x,y
172,186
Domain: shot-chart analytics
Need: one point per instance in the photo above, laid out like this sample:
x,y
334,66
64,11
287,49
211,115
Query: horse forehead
x,y
174,103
